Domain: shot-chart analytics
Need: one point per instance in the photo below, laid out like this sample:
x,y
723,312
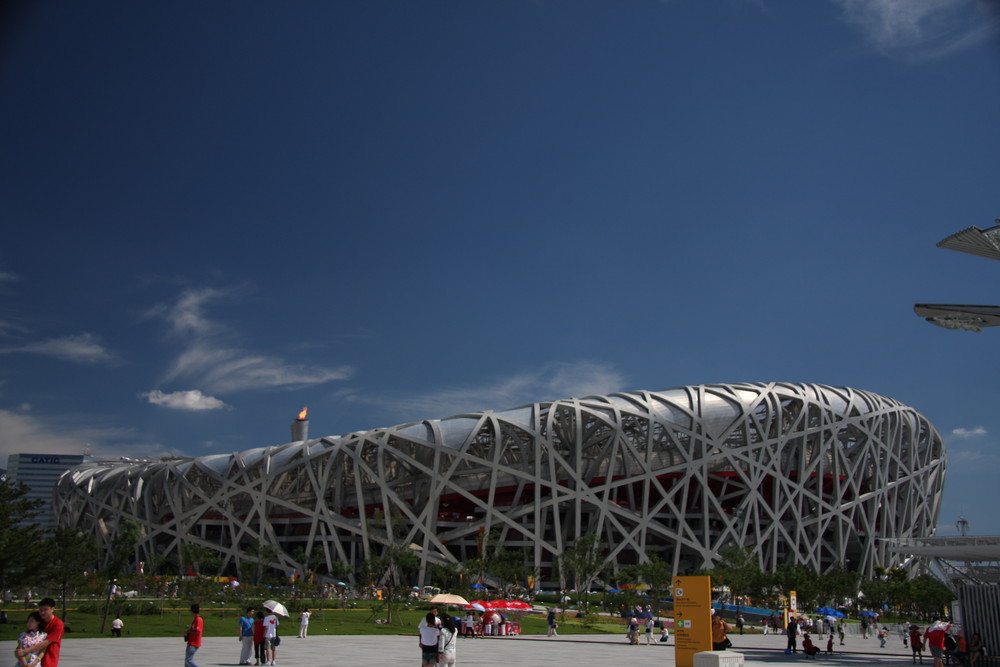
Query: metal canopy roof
x,y
970,549
968,318
975,241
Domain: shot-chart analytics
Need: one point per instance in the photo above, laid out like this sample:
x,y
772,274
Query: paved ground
x,y
528,650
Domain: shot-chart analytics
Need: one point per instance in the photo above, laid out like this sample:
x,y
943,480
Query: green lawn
x,y
224,623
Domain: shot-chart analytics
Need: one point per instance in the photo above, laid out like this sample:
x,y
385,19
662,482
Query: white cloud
x,y
920,30
554,381
21,433
184,400
83,348
965,433
213,360
7,277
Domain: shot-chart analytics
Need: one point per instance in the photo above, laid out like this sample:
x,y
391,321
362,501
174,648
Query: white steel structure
x,y
805,473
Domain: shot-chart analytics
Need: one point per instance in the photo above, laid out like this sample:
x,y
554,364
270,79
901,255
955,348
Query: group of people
x,y
438,639
259,636
945,645
39,644
491,623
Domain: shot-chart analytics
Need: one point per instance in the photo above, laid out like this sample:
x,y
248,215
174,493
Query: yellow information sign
x,y
692,618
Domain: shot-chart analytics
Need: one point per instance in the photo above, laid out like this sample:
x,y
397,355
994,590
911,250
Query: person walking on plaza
x,y
245,635
916,644
271,640
116,627
935,636
739,622
793,635
552,623
447,641
53,629
304,623
193,636
429,634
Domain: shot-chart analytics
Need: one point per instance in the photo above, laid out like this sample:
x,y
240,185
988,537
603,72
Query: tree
x,y
582,561
930,595
739,570
121,552
20,538
69,555
261,556
390,566
508,566
800,579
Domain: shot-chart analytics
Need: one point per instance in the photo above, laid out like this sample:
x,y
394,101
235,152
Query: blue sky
x,y
215,214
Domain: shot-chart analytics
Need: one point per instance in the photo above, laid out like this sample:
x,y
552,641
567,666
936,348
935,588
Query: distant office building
x,y
40,472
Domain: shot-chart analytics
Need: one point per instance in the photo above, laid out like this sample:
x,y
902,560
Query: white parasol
x,y
275,607
448,598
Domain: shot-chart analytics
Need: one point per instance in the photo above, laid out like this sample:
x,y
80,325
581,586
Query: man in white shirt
x,y
270,635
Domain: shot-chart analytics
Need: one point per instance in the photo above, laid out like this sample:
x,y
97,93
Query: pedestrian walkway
x,y
523,651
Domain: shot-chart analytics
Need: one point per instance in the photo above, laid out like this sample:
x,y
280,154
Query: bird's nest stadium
x,y
804,473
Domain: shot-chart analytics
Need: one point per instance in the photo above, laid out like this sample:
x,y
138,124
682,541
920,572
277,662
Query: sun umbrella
x,y
518,605
829,611
868,613
448,598
275,607
475,606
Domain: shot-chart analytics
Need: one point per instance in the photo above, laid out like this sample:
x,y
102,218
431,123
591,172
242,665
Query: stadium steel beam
x,y
802,473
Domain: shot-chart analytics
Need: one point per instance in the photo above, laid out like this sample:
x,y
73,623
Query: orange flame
x,y
302,415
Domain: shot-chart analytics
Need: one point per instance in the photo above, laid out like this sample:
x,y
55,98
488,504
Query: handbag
x,y
277,641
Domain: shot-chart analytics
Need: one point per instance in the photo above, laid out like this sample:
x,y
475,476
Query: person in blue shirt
x,y
246,636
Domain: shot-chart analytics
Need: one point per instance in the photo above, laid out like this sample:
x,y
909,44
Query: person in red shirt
x,y
916,644
934,635
193,635
54,633
258,639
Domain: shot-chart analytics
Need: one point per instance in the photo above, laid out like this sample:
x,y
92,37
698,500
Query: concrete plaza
x,y
563,651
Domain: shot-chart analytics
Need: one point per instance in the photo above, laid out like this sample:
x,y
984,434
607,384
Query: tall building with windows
x,y
40,472
803,473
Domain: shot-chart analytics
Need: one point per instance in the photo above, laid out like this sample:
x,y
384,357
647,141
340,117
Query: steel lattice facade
x,y
805,473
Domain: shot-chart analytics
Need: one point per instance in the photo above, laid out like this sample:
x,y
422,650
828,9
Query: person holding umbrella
x,y
271,639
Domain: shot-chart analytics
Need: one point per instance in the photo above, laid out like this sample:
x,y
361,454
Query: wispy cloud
x,y
213,359
184,400
920,30
554,381
965,433
82,348
62,434
7,277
